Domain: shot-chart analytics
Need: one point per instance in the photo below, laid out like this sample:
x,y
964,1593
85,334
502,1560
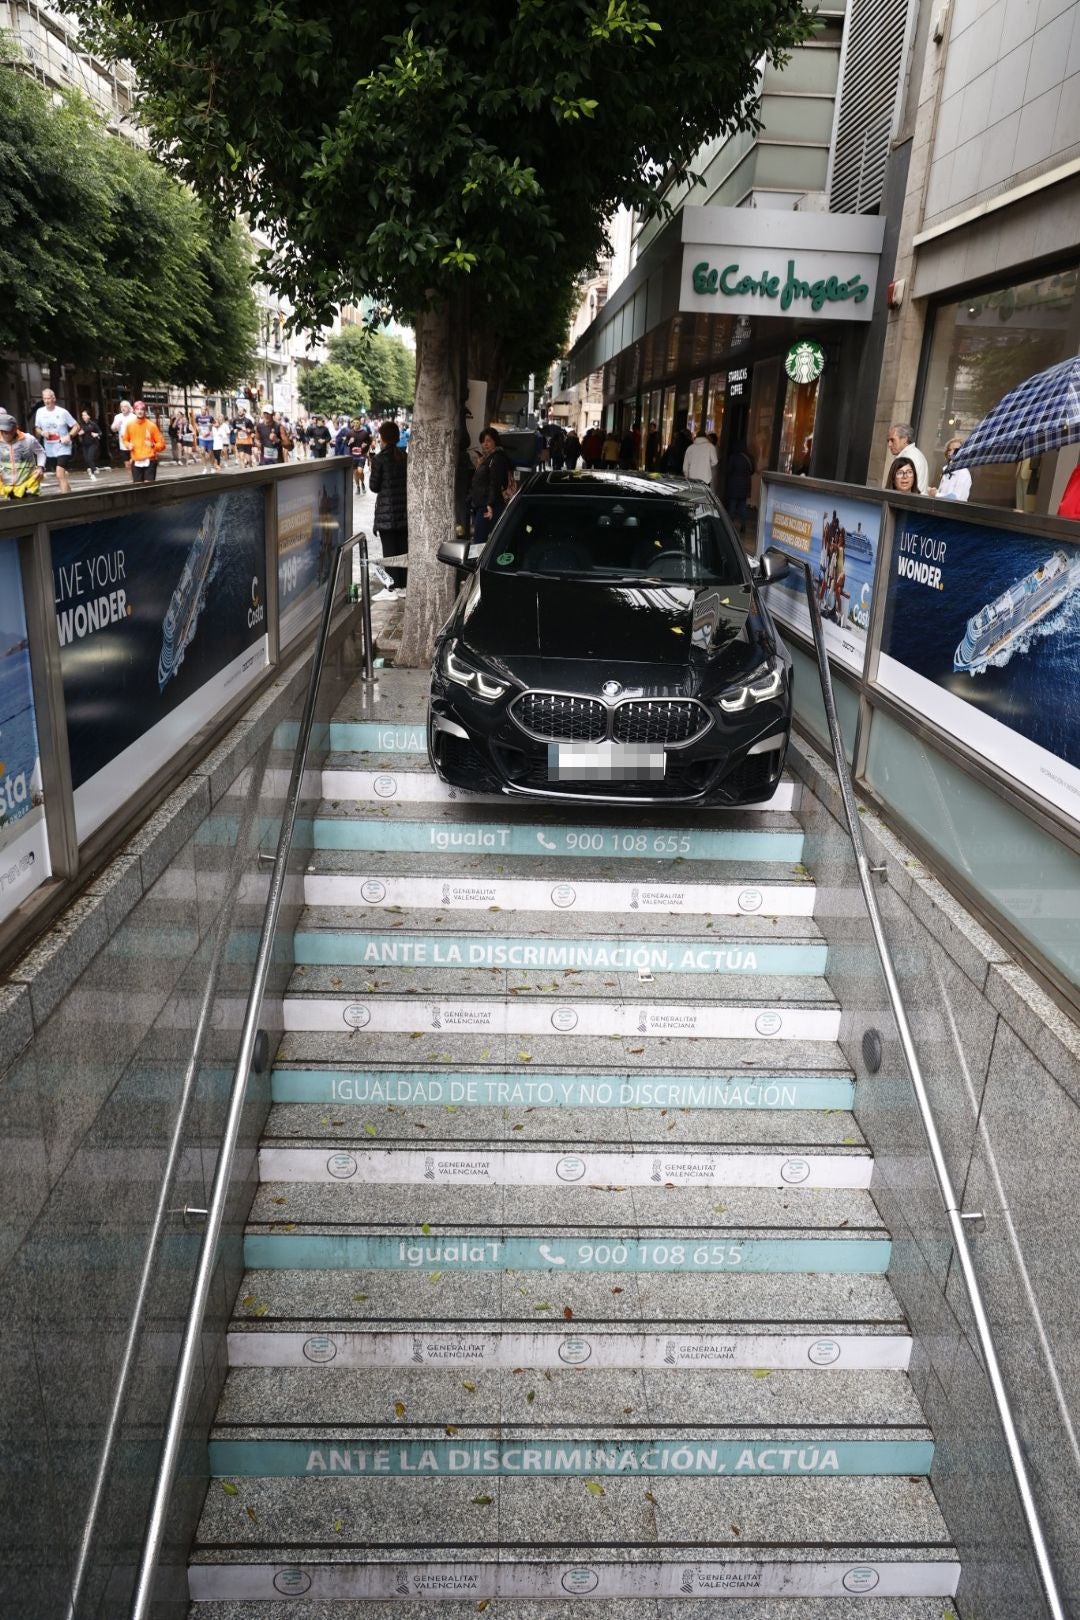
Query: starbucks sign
x,y
804,361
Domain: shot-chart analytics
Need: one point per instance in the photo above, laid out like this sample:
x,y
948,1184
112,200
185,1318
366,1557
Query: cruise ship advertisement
x,y
161,619
310,526
981,637
24,849
839,539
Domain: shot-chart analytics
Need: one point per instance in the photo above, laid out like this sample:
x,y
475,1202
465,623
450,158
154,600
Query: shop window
x,y
696,415
982,346
797,428
759,439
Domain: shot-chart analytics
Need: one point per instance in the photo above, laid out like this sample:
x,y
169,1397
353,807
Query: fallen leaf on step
x,y
484,1056
568,1315
467,1383
618,1290
279,1200
399,1409
671,1127
524,1057
393,908
451,1429
451,1108
434,1276
248,1301
418,1125
336,983
721,1209
426,1228
541,1307
649,1497
636,1051
369,1130
360,1297
762,1372
482,1501
531,1396
735,1530
494,908
416,1035
482,1605
851,1141
594,1487
229,1488
261,1310
627,1410
519,1127
252,1515
339,1525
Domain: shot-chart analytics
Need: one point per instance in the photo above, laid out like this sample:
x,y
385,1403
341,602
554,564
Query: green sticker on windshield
x,y
505,557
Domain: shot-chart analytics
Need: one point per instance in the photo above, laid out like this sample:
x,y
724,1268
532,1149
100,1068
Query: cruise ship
x,y
182,615
1000,623
857,544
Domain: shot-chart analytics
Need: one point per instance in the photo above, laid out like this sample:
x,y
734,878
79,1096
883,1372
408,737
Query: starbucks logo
x,y
794,1170
862,1579
564,1019
320,1349
373,891
768,1023
750,900
804,361
823,1352
575,1352
570,1168
578,1582
341,1166
385,786
357,1017
563,895
292,1582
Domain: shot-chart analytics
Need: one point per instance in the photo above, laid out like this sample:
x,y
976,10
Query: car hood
x,y
639,635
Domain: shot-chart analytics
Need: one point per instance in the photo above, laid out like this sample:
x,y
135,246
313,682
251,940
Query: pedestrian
x,y
557,447
738,473
300,449
22,460
652,448
174,437
902,442
144,442
55,428
675,454
245,439
116,427
388,481
221,440
571,450
903,476
628,451
187,440
90,437
204,433
285,434
319,437
609,453
341,439
359,442
952,486
491,485
700,460
267,439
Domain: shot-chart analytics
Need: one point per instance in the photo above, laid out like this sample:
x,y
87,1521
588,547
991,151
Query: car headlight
x,y
767,681
459,669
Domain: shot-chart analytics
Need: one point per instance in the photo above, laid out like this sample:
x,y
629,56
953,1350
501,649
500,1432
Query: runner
x,y
245,439
204,428
187,439
22,461
55,428
221,440
144,442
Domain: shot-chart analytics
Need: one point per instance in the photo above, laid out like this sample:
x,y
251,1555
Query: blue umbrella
x,y
1039,415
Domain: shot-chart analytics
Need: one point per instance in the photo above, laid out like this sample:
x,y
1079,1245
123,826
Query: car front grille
x,y
556,717
659,720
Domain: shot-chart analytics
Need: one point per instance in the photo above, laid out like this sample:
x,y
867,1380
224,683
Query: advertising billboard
x,y
310,527
839,538
982,638
161,620
24,849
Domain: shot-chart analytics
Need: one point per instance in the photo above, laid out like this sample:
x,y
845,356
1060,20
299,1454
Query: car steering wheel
x,y
662,556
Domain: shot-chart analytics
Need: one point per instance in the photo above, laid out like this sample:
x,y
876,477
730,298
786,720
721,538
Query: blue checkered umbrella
x,y
1039,415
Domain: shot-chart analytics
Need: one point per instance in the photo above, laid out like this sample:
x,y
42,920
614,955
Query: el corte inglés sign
x,y
743,280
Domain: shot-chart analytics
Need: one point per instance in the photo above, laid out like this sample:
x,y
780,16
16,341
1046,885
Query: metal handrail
x,y
953,1211
190,1349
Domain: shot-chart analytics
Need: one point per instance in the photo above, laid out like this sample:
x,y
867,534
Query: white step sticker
x,y
689,1351
380,1014
424,786
525,894
522,1168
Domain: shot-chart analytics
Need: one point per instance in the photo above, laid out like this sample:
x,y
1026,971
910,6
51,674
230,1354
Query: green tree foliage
x,y
385,363
105,259
332,388
472,154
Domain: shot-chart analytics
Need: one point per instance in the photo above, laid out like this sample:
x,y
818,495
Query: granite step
x,y
646,883
623,1608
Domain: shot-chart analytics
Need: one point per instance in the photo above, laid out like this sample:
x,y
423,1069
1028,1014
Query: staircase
x,y
564,1279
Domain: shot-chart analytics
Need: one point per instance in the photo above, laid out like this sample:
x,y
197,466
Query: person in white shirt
x,y
902,443
700,459
952,486
55,427
119,423
221,440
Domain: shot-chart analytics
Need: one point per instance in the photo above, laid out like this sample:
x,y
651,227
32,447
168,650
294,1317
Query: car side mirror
x,y
773,564
457,553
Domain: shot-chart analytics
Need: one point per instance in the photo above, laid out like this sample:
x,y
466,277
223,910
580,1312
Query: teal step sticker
x,y
527,838
376,737
356,949
653,1458
331,1251
414,1087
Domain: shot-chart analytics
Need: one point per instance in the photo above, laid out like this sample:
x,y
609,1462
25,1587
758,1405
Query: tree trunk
x,y
434,449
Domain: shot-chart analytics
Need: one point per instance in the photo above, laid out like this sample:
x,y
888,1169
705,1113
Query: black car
x,y
611,644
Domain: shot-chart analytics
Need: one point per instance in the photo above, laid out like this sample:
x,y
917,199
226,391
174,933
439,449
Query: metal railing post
x,y
365,610
49,708
953,1211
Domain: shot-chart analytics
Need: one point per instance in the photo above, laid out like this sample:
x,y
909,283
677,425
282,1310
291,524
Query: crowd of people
x,y
141,438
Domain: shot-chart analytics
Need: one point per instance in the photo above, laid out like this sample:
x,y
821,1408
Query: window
x,y
619,541
981,347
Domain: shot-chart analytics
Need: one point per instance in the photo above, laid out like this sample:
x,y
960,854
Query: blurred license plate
x,y
605,762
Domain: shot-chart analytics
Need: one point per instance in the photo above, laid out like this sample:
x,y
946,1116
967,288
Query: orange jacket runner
x,y
143,438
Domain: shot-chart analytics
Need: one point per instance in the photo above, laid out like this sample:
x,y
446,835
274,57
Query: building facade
x,y
988,250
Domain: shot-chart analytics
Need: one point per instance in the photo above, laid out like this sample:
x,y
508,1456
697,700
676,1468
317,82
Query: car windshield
x,y
671,542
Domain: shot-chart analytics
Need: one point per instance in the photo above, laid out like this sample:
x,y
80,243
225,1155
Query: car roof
x,y
640,485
